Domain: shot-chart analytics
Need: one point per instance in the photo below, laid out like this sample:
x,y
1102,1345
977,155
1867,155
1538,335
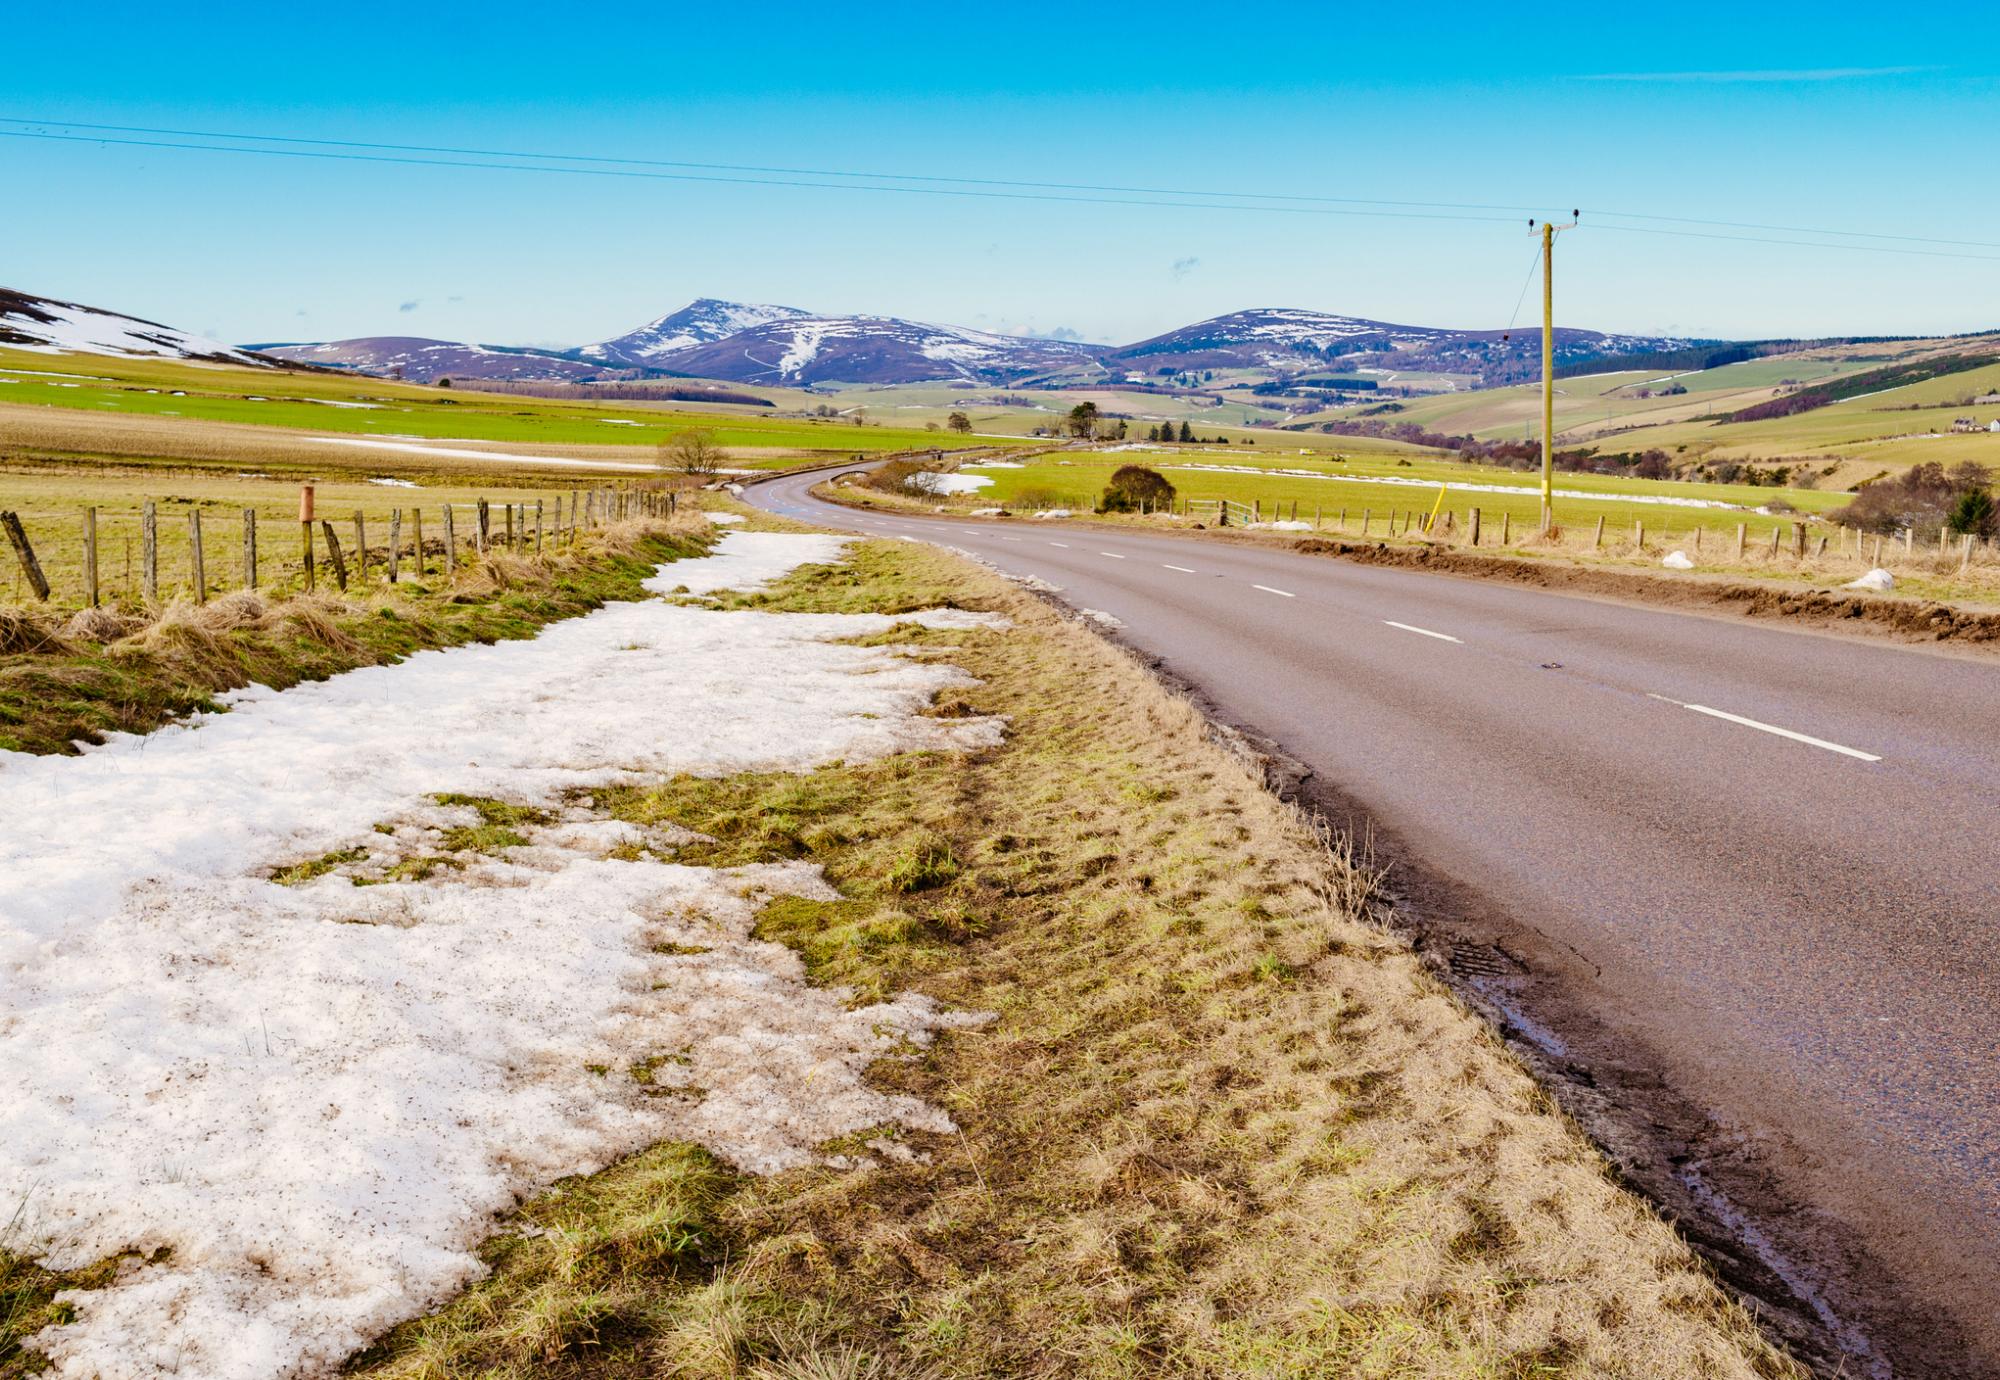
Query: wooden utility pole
x,y
1549,232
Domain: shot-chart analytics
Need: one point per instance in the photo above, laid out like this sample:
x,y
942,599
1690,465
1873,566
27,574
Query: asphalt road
x,y
1731,869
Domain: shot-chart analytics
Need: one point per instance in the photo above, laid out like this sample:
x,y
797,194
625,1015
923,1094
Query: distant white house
x,y
1993,425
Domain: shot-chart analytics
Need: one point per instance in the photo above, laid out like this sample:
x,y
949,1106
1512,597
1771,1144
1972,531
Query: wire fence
x,y
155,551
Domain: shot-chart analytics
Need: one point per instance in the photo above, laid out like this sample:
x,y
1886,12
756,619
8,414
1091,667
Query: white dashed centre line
x,y
1063,544
1183,569
1286,593
1112,554
1423,632
1771,728
1010,539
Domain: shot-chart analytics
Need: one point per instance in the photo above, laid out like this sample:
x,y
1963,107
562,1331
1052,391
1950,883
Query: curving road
x,y
1736,886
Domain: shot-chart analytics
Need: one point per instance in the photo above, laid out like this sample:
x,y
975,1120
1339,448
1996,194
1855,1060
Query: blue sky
x,y
1828,116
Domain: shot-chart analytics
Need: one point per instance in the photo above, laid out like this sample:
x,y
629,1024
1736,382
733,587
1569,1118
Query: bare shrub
x,y
694,453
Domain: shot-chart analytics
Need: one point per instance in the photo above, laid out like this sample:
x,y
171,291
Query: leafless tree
x,y
693,453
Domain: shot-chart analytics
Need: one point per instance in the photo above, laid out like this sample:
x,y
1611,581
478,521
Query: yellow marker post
x,y
1430,523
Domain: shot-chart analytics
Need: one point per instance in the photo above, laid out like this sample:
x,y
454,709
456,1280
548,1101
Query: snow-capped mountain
x,y
873,349
1287,340
43,324
420,359
701,322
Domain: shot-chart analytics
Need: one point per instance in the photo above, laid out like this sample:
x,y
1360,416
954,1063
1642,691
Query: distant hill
x,y
43,323
749,343
420,359
701,322
1284,341
874,349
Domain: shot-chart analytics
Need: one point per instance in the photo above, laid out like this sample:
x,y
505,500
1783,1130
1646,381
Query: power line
x,y
984,194
1798,229
1101,194
780,171
1808,244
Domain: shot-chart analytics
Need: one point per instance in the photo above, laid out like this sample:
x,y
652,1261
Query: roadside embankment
x,y
1222,1122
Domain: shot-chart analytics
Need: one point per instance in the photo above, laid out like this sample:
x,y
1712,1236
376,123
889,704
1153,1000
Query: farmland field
x,y
355,405
1862,436
1382,483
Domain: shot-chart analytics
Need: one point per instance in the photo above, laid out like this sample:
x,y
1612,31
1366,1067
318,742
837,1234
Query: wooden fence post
x,y
485,519
510,524
1964,560
538,527
333,554
197,566
1639,533
90,555
1742,532
1799,541
1472,527
1774,544
1597,541
149,550
1506,527
417,521
17,537
1365,515
306,530
450,542
395,542
360,551
249,548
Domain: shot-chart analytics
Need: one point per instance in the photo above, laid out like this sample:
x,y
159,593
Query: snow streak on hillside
x,y
44,325
317,1097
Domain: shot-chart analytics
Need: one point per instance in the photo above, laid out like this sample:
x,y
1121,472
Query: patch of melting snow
x,y
319,1097
1877,579
388,483
727,519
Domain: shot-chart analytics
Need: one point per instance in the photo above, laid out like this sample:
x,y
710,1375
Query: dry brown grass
x,y
1223,1125
134,667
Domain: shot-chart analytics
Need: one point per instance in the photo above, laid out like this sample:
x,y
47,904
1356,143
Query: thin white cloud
x,y
1777,74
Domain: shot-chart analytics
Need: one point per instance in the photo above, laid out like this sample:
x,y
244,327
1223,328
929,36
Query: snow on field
x,y
726,519
932,483
318,1097
413,446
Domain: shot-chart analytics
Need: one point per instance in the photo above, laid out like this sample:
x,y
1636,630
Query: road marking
x,y
1424,632
1183,569
1112,554
1268,590
1063,544
1762,727
1010,539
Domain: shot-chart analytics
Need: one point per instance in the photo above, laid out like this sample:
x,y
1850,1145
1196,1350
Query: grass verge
x,y
104,671
1221,1125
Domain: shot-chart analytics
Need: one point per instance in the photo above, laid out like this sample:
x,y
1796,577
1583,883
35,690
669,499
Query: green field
x,y
1382,484
351,404
1867,434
